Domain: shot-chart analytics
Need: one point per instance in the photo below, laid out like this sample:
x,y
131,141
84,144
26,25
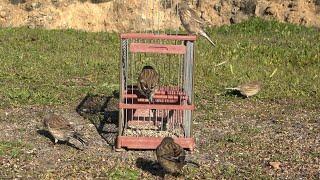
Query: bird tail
x,y
197,165
204,34
79,138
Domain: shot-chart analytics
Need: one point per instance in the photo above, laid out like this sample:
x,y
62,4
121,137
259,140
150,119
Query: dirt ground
x,y
240,138
143,15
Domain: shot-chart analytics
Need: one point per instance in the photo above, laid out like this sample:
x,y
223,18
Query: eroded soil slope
x,y
140,15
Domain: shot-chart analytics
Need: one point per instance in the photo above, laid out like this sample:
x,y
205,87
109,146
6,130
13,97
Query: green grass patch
x,y
58,67
11,148
285,57
55,67
124,173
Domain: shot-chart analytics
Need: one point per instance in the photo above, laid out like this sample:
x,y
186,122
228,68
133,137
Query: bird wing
x,y
194,16
169,157
141,84
177,155
188,14
59,123
195,164
78,136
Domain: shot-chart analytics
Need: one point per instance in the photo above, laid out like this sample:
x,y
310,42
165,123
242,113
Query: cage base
x,y
150,143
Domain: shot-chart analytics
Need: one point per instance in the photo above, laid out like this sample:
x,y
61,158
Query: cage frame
x,y
188,51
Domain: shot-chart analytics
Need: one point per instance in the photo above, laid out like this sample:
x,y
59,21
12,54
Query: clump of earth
x,y
146,15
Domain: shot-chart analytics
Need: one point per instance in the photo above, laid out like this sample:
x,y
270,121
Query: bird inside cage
x,y
148,82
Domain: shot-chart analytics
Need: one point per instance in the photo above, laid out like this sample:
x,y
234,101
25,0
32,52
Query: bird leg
x,y
54,142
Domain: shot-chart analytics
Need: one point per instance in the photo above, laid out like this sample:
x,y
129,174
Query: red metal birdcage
x,y
142,124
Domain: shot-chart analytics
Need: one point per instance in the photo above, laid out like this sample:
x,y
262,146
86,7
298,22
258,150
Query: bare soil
x,y
140,15
233,139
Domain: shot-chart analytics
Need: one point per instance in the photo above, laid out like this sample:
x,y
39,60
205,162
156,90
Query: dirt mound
x,y
141,15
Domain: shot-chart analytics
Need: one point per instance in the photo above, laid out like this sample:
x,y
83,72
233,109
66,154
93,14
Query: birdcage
x,y
143,124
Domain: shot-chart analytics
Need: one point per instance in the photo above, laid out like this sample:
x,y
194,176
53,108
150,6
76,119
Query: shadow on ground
x,y
102,111
235,93
150,166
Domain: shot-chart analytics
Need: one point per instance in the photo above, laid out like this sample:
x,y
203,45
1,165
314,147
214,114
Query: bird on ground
x,y
62,130
248,89
191,22
171,156
148,82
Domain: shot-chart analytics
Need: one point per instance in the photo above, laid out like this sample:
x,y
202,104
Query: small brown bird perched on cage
x,y
191,21
62,130
148,82
171,156
248,89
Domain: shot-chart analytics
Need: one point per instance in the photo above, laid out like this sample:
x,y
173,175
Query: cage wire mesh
x,y
170,113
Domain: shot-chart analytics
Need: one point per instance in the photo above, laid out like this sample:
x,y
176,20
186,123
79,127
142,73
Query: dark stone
x,y
268,11
248,6
16,2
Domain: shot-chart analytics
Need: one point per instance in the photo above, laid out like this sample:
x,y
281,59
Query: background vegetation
x,y
41,67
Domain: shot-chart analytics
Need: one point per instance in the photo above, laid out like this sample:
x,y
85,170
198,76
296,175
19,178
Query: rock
x,y
118,17
293,6
234,10
3,14
32,6
100,1
16,2
36,5
303,21
217,7
248,7
275,165
269,11
238,17
49,18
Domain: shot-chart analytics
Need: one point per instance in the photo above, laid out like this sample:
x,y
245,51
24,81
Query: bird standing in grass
x,y
248,89
171,156
62,130
148,82
191,22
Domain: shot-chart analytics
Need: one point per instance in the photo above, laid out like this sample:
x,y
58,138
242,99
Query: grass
x,y
55,67
285,57
124,173
11,148
43,67
235,137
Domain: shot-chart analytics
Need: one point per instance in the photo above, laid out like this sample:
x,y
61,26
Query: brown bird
x,y
248,89
62,130
171,156
191,22
148,82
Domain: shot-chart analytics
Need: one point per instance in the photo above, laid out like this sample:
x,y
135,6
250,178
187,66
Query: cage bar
x,y
142,124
